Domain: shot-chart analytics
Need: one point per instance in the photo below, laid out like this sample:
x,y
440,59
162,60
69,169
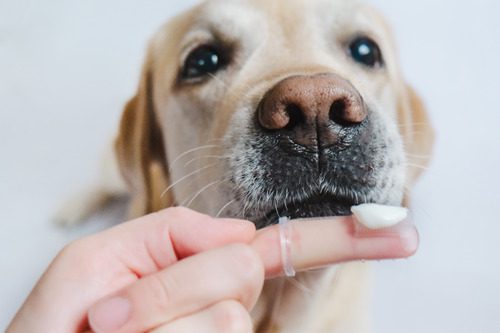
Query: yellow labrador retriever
x,y
265,108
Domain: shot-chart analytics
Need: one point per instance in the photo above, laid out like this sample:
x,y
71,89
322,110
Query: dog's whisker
x,y
276,208
236,93
412,165
418,156
216,78
286,199
224,207
171,186
416,133
215,140
225,85
277,299
222,157
301,286
191,151
203,189
412,124
420,211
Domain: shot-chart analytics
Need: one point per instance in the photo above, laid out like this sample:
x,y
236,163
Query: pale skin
x,y
180,271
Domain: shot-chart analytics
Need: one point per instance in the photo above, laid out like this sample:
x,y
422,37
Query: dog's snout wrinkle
x,y
312,109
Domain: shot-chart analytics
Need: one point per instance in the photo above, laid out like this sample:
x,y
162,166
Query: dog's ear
x,y
417,132
140,150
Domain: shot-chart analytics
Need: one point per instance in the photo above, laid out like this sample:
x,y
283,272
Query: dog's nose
x,y
309,107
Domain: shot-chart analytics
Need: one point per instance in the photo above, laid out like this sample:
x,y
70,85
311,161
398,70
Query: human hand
x,y
146,253
181,271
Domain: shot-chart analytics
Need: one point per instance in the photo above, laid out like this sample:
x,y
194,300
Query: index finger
x,y
325,241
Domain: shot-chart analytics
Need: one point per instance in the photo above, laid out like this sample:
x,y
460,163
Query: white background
x,y
66,69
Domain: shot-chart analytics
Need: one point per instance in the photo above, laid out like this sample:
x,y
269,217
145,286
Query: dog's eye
x,y
365,51
202,61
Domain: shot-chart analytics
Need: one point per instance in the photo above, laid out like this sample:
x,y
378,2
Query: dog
x,y
258,109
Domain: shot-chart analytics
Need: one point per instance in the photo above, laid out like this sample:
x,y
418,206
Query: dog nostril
x,y
346,113
272,117
338,113
295,116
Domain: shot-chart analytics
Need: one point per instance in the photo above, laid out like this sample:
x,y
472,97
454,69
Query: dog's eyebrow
x,y
225,24
203,33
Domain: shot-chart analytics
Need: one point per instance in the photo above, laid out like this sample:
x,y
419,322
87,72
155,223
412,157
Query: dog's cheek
x,y
243,160
390,160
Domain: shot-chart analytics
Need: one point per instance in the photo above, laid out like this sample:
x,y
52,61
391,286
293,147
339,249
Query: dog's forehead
x,y
276,8
294,25
288,14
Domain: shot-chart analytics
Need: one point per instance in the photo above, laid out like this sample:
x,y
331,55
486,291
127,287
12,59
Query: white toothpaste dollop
x,y
375,216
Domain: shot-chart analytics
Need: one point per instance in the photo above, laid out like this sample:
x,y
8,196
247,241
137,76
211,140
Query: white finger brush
x,y
374,216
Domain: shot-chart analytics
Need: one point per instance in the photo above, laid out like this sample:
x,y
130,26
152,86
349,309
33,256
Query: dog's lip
x,y
317,205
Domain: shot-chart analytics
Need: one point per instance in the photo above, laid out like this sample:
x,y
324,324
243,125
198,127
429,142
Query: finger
x,y
155,241
231,272
322,242
223,317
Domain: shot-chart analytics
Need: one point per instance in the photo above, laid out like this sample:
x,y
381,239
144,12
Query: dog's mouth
x,y
317,205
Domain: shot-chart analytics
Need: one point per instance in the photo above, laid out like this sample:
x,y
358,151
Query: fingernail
x,y
110,315
410,240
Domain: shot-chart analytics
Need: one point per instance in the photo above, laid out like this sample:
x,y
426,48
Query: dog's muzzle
x,y
318,151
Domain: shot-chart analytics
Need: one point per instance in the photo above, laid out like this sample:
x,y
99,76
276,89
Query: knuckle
x,y
180,213
159,288
250,271
80,258
232,317
250,264
69,249
77,249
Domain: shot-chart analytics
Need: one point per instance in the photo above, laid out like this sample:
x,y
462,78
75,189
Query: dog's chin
x,y
315,206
